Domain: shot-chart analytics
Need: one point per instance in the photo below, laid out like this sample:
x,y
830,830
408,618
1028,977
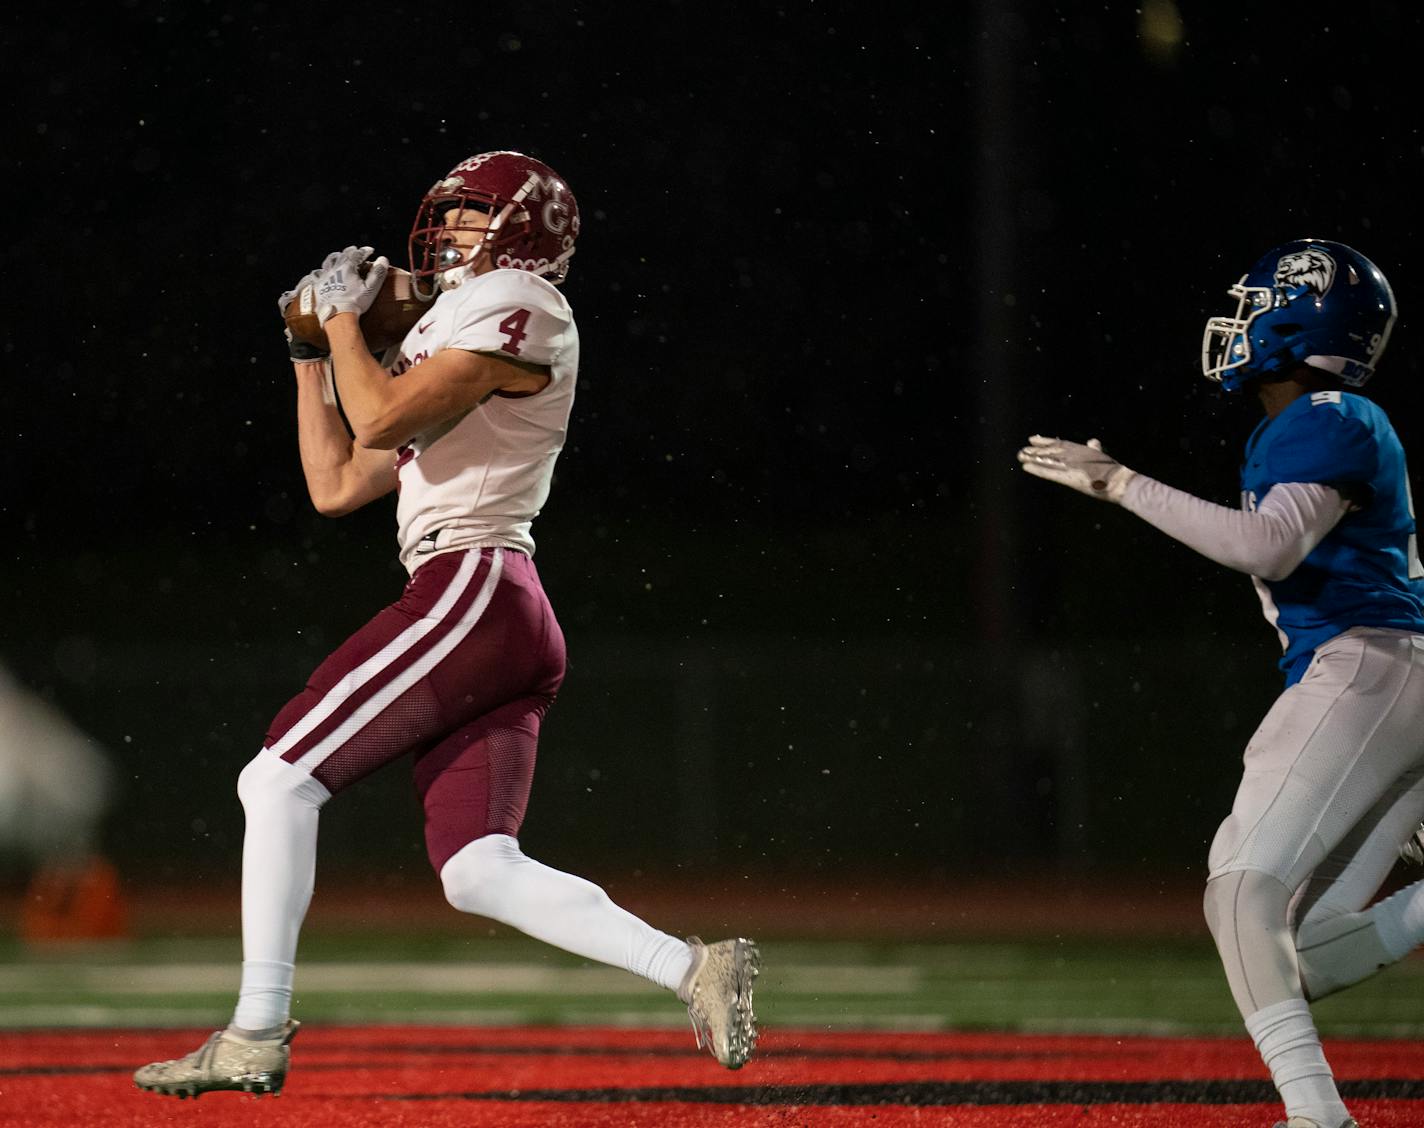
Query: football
x,y
386,323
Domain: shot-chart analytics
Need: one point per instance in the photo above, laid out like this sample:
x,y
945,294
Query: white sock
x,y
265,998
282,804
1399,920
1286,1038
492,878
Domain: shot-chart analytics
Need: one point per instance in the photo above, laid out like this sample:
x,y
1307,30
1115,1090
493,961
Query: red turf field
x,y
518,1077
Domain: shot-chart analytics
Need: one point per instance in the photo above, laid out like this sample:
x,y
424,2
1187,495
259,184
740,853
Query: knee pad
x,y
267,777
1247,912
1240,900
475,874
491,877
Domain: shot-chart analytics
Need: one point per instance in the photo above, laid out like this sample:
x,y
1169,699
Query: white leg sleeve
x,y
282,804
492,878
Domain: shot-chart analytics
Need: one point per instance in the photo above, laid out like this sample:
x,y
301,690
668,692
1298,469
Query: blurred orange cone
x,y
69,901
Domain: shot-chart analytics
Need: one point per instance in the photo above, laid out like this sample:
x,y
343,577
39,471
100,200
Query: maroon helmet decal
x,y
532,218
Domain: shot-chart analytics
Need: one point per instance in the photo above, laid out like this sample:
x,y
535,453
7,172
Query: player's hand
x,y
299,351
1083,467
340,288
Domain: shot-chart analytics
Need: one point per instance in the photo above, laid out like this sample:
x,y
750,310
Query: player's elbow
x,y
334,500
384,432
331,505
1275,549
1278,565
376,438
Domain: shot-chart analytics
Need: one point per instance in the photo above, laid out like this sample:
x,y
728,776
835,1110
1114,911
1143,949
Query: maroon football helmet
x,y
533,219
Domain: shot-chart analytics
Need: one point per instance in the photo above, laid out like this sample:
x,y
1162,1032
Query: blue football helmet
x,y
1308,302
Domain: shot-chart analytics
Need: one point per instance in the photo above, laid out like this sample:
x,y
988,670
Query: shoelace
x,y
201,1058
1413,848
701,1028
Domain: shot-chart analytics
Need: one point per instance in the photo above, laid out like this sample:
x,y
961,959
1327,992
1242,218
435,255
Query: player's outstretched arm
x,y
1269,541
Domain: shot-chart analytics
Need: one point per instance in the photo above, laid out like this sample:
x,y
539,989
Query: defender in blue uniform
x,y
1366,571
1334,775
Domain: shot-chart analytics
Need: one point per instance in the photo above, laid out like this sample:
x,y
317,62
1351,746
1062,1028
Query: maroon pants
x,y
460,672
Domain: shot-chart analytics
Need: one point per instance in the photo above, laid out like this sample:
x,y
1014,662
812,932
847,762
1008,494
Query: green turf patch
x,y
1041,986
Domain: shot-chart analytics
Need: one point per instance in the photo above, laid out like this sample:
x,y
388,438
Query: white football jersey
x,y
481,479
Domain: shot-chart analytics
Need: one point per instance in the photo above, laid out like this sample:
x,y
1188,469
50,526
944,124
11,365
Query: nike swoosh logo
x,y
423,328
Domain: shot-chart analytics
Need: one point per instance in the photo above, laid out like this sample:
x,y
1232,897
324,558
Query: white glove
x,y
287,295
340,287
1083,468
299,351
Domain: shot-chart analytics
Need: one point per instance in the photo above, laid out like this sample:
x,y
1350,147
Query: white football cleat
x,y
225,1061
1306,1122
718,992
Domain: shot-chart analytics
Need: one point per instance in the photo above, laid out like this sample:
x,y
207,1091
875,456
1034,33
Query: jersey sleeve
x,y
1269,541
513,317
1323,446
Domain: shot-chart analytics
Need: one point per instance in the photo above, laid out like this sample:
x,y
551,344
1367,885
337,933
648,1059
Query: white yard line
x,y
432,979
674,1018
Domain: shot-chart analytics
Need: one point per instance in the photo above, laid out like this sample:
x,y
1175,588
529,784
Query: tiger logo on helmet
x,y
1311,268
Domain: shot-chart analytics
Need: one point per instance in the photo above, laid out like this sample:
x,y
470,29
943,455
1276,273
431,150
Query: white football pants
x,y
1333,786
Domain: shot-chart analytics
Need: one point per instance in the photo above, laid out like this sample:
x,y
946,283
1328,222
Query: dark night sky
x,y
781,282
778,281
794,337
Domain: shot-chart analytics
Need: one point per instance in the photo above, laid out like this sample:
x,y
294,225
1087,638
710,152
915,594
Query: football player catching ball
x,y
465,419
1334,775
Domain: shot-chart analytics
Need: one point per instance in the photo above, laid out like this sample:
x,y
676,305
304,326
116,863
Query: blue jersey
x,y
1366,572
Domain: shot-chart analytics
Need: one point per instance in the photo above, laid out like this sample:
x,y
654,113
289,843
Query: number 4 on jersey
x,y
513,328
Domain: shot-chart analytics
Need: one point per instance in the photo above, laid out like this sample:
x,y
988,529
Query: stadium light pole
x,y
992,505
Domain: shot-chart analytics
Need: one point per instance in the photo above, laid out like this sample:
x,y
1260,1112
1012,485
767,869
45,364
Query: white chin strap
x,y
450,279
456,275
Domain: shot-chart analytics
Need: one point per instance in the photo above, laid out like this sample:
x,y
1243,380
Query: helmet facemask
x,y
528,217
435,257
1226,342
